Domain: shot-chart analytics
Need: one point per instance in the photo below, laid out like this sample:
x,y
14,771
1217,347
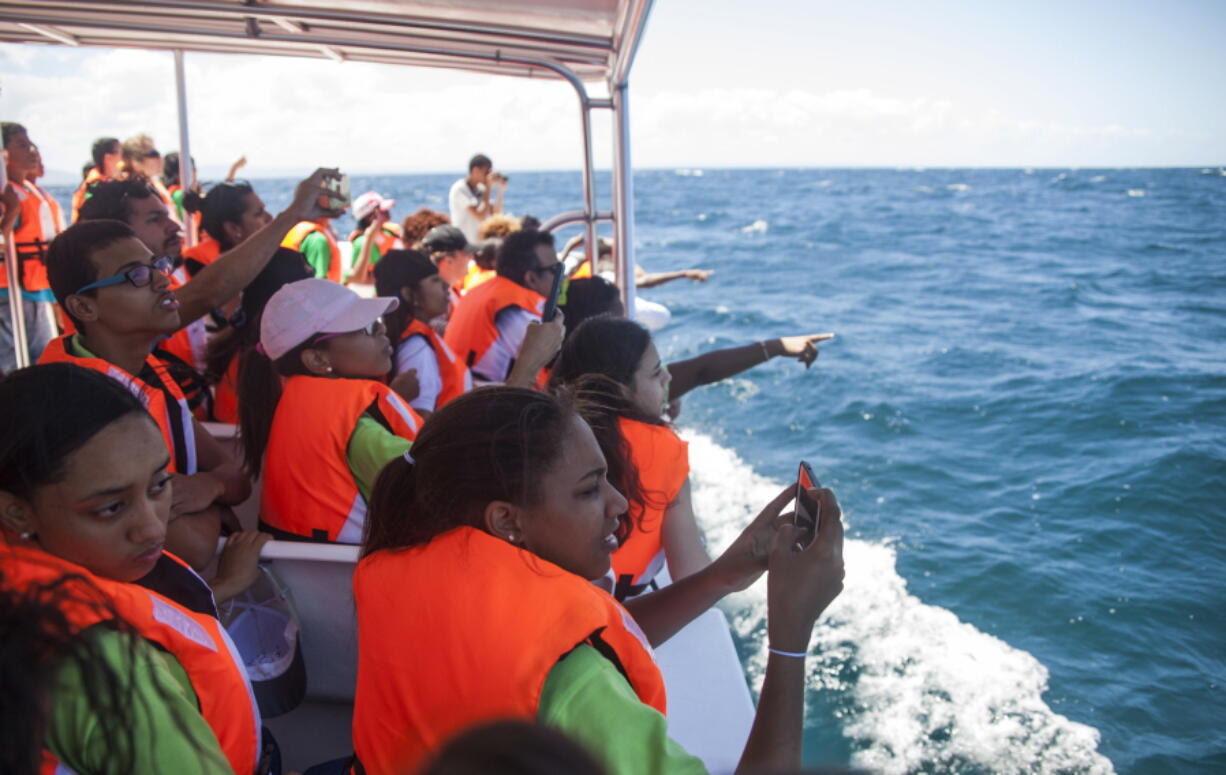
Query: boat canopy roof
x,y
576,40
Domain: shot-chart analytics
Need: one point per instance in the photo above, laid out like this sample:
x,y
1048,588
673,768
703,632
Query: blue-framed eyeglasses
x,y
139,275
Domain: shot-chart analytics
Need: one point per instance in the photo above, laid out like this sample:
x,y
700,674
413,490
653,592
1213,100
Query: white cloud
x,y
858,127
289,115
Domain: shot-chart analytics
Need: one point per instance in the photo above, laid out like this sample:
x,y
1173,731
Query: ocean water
x,y
1023,416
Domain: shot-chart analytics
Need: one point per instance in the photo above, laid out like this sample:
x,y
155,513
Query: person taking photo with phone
x,y
486,540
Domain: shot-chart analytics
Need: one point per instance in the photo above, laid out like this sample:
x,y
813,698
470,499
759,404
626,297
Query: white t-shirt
x,y
416,353
495,366
459,200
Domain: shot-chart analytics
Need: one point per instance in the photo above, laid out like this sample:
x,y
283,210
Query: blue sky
x,y
717,83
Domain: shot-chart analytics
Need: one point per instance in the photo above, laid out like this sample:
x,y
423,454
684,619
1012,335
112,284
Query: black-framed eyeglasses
x,y
552,269
139,275
372,328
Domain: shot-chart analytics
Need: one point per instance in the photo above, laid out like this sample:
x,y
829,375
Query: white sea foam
x,y
687,173
1098,178
1136,192
923,690
702,216
757,227
958,187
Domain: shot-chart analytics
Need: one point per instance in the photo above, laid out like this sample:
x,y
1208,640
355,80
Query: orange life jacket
x,y
662,461
294,238
225,395
308,488
471,329
386,239
476,275
456,377
190,342
164,401
78,196
203,252
465,630
196,640
31,236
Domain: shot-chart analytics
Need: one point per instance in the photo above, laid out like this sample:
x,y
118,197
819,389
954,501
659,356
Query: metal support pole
x,y
589,183
186,178
17,310
623,197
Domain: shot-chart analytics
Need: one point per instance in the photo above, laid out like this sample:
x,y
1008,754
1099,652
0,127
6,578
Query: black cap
x,y
444,239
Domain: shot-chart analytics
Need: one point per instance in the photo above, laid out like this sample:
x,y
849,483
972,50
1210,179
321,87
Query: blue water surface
x,y
1026,403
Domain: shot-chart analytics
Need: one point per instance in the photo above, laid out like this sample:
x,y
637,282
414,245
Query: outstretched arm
x,y
651,280
234,270
800,585
721,364
238,164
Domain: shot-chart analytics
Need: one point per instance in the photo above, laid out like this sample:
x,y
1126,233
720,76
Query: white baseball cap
x,y
302,309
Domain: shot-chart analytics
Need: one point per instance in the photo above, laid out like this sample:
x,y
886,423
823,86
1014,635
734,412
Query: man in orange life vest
x,y
106,155
118,297
33,222
487,327
137,205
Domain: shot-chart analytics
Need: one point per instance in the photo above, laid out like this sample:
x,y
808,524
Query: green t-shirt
x,y
177,197
318,253
587,698
371,446
159,706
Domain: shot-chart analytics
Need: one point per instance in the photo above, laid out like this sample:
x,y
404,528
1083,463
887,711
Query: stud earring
x,y
26,535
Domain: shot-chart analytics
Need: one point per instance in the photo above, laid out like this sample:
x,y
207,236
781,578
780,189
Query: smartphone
x,y
808,510
339,199
555,290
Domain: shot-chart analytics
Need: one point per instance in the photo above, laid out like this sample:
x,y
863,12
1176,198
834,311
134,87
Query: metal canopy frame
x,y
574,41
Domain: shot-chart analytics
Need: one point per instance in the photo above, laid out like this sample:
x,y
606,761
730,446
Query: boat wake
x,y
913,687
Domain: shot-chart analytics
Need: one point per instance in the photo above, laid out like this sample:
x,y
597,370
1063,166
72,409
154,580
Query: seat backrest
x,y
319,579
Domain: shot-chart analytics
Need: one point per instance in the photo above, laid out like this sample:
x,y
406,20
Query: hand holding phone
x,y
339,199
555,290
808,510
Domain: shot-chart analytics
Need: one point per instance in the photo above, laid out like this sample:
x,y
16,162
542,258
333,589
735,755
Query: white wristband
x,y
793,654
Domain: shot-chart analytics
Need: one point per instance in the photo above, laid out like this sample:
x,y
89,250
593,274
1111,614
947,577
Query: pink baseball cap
x,y
302,309
369,202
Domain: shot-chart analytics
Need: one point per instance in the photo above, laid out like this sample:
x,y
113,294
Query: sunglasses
x,y
372,328
551,269
139,275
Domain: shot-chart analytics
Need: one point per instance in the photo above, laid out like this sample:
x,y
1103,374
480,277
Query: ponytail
x,y
395,491
259,392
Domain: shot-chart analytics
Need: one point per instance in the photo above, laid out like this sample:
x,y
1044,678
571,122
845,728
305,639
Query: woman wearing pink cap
x,y
374,235
317,421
